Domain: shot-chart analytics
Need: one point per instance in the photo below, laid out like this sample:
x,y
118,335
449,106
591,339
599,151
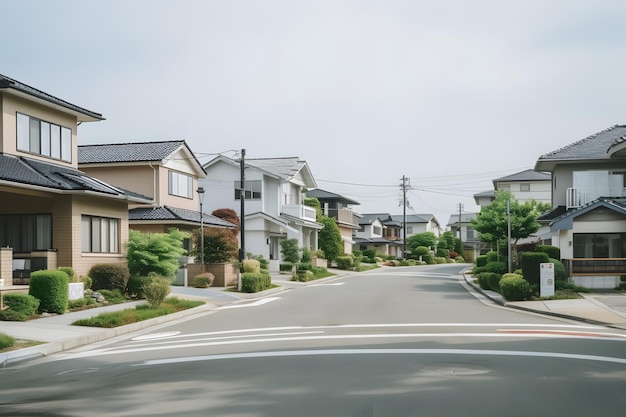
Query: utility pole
x,y
404,204
460,205
242,225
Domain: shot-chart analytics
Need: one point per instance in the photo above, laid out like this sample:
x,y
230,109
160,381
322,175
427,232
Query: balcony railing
x,y
344,215
577,197
595,266
300,211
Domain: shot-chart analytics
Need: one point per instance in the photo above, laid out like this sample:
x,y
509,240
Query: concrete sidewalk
x,y
603,308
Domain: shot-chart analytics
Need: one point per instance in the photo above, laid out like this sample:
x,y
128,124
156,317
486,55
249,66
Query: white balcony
x,y
578,197
300,211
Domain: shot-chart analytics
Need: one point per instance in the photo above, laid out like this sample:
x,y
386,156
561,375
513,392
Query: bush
x,y
12,315
253,282
51,287
459,259
304,266
367,260
369,253
496,267
22,303
265,264
286,267
303,275
87,281
492,256
440,260
357,257
344,262
307,256
489,281
109,276
552,251
113,296
530,265
481,260
156,290
71,275
559,269
134,286
203,280
290,251
251,265
515,288
424,253
6,341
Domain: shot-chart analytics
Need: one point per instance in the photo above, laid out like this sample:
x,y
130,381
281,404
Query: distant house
x,y
588,217
378,231
53,214
462,229
524,186
339,208
273,192
166,171
418,223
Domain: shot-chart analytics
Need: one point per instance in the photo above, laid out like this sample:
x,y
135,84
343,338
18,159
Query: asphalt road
x,y
406,342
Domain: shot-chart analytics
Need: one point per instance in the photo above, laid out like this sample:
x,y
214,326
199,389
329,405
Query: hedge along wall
x,y
530,265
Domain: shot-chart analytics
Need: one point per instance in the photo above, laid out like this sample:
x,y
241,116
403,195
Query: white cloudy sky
x,y
451,94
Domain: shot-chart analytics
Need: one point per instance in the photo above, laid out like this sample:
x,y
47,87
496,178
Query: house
x,y
339,208
273,190
166,171
53,214
374,234
588,217
418,223
461,226
525,186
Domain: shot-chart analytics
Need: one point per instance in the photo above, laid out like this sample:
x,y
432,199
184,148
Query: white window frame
x,y
179,184
43,138
100,234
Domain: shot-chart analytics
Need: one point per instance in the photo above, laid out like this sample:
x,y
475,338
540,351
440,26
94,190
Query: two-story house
x,y
461,226
418,223
52,214
524,186
589,206
273,193
339,208
371,235
166,171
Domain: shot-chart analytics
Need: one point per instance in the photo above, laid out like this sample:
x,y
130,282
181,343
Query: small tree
x,y
427,239
220,245
230,216
330,240
289,250
155,252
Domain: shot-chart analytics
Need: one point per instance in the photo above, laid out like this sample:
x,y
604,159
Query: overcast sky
x,y
450,94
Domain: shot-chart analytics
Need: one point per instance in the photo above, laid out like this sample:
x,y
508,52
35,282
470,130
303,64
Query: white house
x,y
524,186
589,206
273,201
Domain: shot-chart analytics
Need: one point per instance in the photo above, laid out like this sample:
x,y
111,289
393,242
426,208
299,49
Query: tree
x,y
315,203
220,245
155,252
290,251
330,240
427,239
492,221
229,215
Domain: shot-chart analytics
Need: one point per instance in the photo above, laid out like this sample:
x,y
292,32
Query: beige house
x,y
166,171
52,214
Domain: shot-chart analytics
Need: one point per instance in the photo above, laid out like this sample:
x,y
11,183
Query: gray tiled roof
x,y
591,147
166,213
127,152
33,172
6,83
410,218
327,195
527,175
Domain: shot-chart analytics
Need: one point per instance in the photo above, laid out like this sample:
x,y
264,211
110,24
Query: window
x,y
26,232
252,190
43,138
180,184
409,230
599,245
524,187
100,235
470,233
377,230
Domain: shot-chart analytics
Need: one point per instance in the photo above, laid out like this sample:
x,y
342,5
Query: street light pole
x,y
200,192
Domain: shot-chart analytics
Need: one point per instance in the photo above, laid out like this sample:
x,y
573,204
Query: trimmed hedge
x,y
481,260
559,269
203,280
253,282
489,281
345,262
51,287
109,276
530,265
251,265
552,251
286,267
515,288
24,304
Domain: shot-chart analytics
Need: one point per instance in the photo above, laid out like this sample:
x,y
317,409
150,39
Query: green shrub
x,y
6,341
459,259
489,281
134,286
481,260
369,253
12,315
87,281
290,251
265,264
255,282
552,251
286,267
424,253
113,296
71,275
367,260
51,287
109,276
515,288
357,257
304,266
405,262
251,265
496,267
492,256
22,303
344,262
203,280
307,256
78,303
440,260
156,290
303,275
559,269
530,265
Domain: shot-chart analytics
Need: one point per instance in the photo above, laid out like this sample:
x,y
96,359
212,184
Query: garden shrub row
x,y
255,282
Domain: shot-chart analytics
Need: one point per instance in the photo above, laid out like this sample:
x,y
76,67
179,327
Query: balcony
x,y
578,197
595,266
300,211
344,215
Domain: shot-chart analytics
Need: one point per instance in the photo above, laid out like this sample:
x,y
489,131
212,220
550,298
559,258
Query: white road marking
x,y
326,285
153,336
254,304
292,353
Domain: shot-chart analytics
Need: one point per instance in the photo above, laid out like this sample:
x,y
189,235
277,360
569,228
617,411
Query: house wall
x,y
8,143
539,190
139,179
562,177
346,235
219,188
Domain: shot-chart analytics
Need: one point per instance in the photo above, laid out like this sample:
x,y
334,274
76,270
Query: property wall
x,y
11,105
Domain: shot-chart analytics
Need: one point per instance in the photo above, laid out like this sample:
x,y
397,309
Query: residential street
x,y
391,342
